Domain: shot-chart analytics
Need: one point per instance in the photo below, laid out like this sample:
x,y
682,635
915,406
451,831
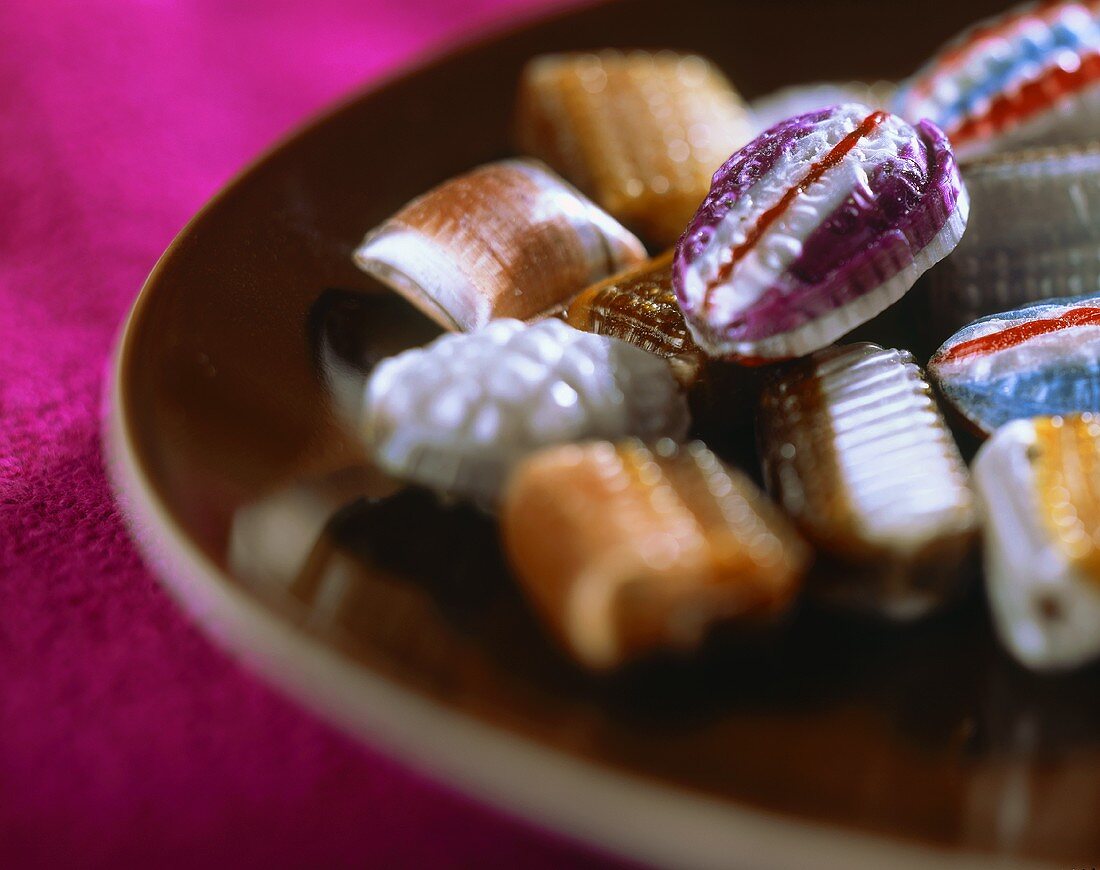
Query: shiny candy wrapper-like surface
x,y
626,549
1039,482
1038,360
508,239
458,413
1033,234
639,306
640,132
813,228
855,449
1030,76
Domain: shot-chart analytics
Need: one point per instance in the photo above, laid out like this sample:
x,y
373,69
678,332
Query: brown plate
x,y
837,743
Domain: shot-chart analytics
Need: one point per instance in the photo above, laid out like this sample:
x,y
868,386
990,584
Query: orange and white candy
x,y
1039,484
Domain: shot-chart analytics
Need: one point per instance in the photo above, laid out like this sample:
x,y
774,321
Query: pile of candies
x,y
562,398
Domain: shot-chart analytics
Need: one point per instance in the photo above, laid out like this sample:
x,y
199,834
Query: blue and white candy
x,y
1039,360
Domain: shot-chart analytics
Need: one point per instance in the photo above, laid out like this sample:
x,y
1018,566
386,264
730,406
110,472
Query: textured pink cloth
x,y
126,739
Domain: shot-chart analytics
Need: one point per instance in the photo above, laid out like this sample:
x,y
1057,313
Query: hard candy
x,y
1038,360
1039,483
814,227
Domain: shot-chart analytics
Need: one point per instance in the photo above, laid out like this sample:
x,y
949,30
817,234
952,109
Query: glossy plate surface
x,y
836,744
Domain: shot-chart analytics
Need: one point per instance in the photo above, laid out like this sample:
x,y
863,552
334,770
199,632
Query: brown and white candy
x,y
855,449
509,239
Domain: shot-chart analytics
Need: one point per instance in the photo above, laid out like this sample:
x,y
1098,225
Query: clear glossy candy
x,y
855,450
1039,483
1033,234
625,549
640,132
813,228
509,239
1039,360
457,414
1027,77
639,306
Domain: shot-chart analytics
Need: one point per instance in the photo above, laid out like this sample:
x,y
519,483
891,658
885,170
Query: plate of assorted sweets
x,y
677,426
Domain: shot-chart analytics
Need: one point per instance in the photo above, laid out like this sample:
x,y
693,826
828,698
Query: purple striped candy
x,y
815,227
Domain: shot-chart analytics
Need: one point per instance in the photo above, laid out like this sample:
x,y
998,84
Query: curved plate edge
x,y
651,823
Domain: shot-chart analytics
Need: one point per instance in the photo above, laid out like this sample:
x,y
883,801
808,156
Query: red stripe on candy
x,y
1020,333
767,218
1009,109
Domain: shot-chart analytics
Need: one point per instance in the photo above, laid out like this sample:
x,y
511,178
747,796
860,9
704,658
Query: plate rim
x,y
653,822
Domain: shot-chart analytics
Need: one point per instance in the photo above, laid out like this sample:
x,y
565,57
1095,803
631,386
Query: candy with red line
x,y
1038,360
815,227
1030,76
775,107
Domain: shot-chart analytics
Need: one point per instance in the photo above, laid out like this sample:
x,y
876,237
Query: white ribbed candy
x,y
458,413
1044,589
1034,234
855,450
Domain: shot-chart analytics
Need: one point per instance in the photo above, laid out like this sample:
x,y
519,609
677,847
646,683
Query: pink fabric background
x,y
126,739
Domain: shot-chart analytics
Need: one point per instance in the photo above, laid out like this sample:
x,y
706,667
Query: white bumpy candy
x,y
1039,482
457,414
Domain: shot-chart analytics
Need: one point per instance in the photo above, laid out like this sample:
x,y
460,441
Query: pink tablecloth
x,y
125,737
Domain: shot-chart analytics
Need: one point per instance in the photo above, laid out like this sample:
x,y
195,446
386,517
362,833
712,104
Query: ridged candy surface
x,y
1039,481
509,239
1030,76
639,306
457,414
1033,234
1038,360
640,132
776,107
855,449
625,549
814,227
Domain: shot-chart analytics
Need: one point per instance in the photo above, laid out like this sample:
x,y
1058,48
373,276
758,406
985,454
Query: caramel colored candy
x,y
638,306
641,133
509,239
624,549
855,449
